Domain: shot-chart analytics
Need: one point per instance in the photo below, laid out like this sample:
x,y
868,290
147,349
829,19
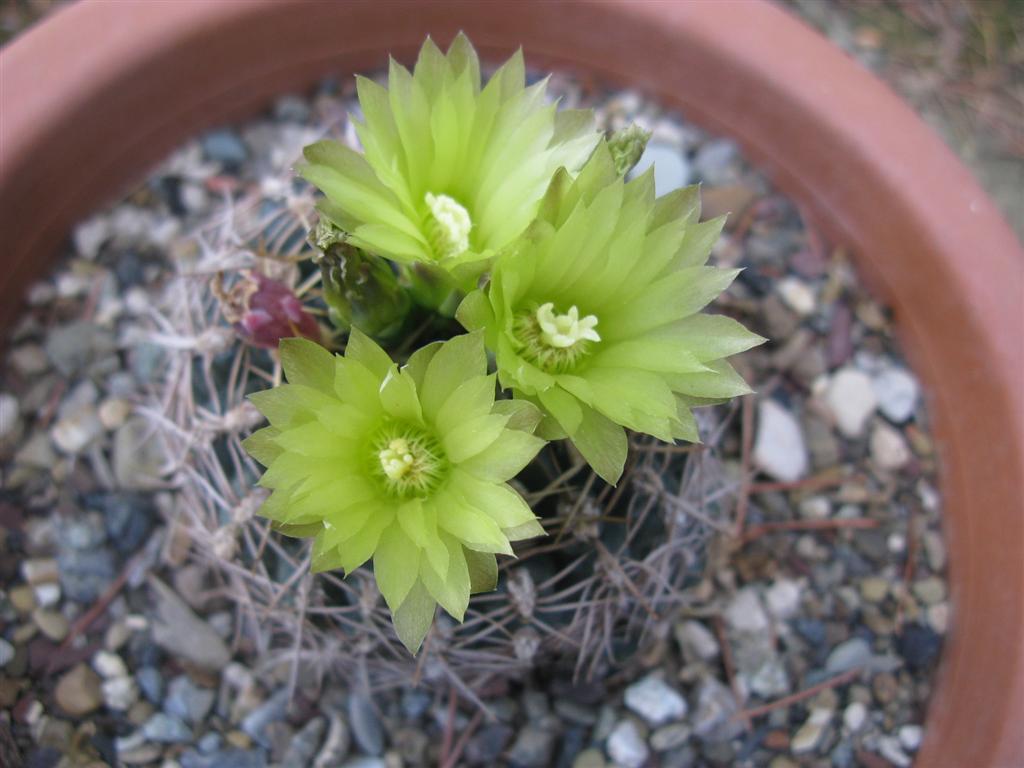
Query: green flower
x,y
593,313
451,172
407,466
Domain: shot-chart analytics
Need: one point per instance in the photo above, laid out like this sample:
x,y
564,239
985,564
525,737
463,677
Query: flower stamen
x,y
408,462
555,342
562,331
447,226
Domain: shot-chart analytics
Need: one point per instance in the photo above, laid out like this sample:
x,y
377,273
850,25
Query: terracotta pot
x,y
99,92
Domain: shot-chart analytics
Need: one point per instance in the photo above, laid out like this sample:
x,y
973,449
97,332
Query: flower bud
x,y
361,290
264,311
627,145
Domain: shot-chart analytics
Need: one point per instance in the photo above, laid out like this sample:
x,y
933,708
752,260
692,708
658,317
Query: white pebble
x,y
8,414
854,716
797,295
113,412
889,450
47,594
779,448
75,431
626,746
910,737
119,693
6,653
783,598
109,665
655,700
744,612
897,393
850,397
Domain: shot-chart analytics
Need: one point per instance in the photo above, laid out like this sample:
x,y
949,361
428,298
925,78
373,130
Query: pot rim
x,y
828,132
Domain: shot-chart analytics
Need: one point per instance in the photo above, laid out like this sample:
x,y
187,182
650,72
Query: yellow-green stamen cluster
x,y
408,462
555,342
447,226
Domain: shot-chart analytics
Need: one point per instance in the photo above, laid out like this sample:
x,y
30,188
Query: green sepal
x,y
414,616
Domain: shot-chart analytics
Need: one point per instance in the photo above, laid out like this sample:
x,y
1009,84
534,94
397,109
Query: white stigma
x,y
564,331
396,460
449,225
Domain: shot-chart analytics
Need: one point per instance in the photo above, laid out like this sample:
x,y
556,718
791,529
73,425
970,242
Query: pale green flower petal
x,y
483,571
398,396
603,444
261,445
396,564
414,617
507,457
306,362
472,399
471,437
459,359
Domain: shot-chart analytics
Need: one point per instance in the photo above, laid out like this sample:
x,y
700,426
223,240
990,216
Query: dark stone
x,y
415,703
366,727
919,645
151,683
129,269
86,574
42,758
128,517
488,743
228,758
573,742
224,146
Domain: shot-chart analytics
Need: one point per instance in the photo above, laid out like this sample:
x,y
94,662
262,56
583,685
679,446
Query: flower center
x,y
447,226
409,462
555,342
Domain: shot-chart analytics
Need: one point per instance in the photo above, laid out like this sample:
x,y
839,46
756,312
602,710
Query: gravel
x,y
841,441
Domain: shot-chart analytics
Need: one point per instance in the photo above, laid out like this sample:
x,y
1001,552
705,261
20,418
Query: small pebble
x,y
78,691
626,746
779,448
809,736
6,652
854,716
889,450
897,392
851,398
51,623
655,700
798,295
911,737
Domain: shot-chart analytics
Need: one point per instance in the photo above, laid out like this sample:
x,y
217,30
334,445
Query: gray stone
x,y
187,700
86,573
6,653
852,654
304,744
181,633
716,162
779,448
227,758
744,612
671,168
670,736
224,146
488,743
697,642
897,392
273,710
712,719
655,700
164,729
809,736
533,747
365,724
72,347
151,682
336,745
138,456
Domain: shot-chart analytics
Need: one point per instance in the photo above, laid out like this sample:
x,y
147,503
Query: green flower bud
x,y
626,146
